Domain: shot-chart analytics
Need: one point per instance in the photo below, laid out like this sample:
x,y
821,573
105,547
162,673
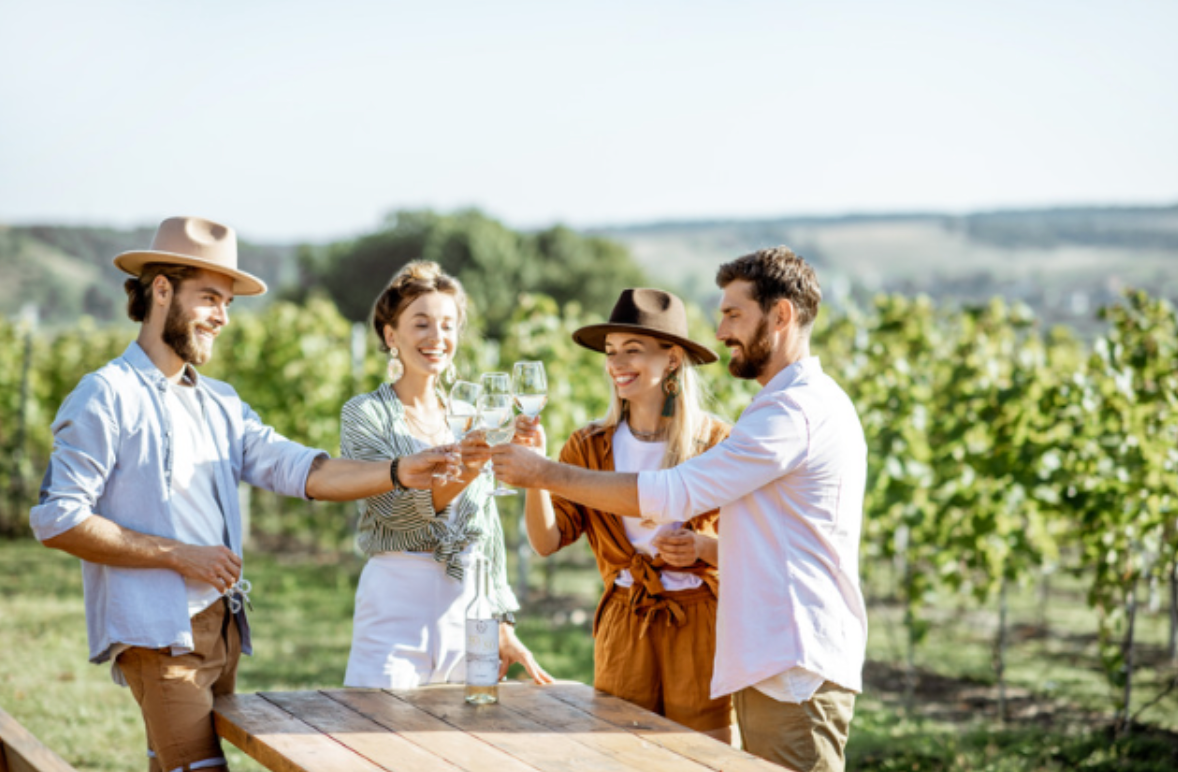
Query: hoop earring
x,y
671,390
395,369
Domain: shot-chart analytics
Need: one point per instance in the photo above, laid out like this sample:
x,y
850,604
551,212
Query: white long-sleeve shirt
x,y
789,483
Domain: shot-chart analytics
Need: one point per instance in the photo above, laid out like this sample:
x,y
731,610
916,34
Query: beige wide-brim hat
x,y
652,312
196,242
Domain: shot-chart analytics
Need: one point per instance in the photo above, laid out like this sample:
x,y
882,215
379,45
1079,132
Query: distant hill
x,y
67,271
1063,262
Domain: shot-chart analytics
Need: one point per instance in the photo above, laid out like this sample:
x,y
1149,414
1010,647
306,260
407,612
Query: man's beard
x,y
754,354
180,334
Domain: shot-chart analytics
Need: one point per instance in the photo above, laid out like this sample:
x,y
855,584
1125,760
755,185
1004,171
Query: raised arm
x,y
615,492
539,516
342,479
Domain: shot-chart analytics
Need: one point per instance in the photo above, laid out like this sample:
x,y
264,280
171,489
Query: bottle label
x,y
482,652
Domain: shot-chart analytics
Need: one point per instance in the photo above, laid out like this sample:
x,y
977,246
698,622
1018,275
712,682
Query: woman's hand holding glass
x,y
530,433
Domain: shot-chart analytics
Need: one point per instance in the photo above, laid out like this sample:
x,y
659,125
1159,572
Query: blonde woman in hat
x,y
655,626
142,486
409,620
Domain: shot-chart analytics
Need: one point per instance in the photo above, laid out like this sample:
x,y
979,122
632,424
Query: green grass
x,y
302,631
302,627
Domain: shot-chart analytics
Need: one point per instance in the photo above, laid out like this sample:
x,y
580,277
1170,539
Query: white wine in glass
x,y
497,420
462,409
530,387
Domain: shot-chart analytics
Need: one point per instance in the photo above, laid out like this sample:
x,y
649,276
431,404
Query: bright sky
x,y
292,119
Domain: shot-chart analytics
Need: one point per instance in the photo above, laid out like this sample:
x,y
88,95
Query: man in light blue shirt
x,y
142,486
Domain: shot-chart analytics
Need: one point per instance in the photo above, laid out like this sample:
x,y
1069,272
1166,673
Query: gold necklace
x,y
427,433
656,436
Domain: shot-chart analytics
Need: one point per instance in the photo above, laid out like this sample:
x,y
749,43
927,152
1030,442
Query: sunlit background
x,y
981,188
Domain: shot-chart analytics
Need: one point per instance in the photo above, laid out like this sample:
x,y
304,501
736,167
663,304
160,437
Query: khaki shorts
x,y
668,669
808,737
176,694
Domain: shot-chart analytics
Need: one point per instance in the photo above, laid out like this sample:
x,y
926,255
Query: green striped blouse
x,y
373,428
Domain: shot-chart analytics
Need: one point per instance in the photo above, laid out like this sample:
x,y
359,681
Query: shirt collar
x,y
142,364
803,368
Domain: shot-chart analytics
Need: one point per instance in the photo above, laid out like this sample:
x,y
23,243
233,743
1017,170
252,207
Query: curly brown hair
x,y
417,278
776,273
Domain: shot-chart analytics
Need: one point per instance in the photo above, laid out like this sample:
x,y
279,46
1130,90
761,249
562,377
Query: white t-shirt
x,y
197,513
633,455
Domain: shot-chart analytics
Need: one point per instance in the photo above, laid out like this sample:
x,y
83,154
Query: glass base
x,y
503,492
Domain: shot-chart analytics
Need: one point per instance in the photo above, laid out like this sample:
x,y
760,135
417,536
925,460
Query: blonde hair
x,y
416,278
687,434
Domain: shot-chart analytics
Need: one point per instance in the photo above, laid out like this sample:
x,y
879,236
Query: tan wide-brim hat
x,y
196,242
652,312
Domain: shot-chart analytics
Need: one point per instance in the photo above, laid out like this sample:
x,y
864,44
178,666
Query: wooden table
x,y
556,728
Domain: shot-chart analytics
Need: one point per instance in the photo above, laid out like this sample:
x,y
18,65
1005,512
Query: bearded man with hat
x,y
142,486
789,480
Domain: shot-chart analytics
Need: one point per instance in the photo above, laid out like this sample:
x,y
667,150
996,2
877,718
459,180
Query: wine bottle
x,y
482,640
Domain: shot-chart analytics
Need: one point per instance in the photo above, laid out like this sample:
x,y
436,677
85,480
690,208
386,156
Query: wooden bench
x,y
21,752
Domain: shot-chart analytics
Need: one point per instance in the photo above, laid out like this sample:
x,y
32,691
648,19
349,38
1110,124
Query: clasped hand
x,y
678,548
420,469
519,462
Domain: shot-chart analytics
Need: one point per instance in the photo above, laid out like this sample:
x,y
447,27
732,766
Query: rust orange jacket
x,y
591,447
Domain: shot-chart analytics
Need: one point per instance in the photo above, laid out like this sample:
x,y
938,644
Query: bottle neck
x,y
480,605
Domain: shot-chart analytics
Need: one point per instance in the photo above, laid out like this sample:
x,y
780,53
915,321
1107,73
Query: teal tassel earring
x,y
671,390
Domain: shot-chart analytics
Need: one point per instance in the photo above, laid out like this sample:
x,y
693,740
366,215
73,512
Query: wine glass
x,y
496,383
530,387
461,413
462,409
497,419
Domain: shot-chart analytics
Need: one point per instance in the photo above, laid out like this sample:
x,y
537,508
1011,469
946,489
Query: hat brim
x,y
243,283
593,336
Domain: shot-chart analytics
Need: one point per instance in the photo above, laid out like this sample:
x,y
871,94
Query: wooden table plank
x,y
545,708
278,740
660,730
20,751
355,731
498,725
427,731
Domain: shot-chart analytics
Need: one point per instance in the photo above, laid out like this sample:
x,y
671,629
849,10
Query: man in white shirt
x,y
789,482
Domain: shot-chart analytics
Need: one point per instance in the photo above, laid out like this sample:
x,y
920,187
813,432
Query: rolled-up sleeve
x,y
770,440
273,462
85,434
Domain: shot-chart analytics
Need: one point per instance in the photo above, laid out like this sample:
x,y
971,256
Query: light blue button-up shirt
x,y
112,456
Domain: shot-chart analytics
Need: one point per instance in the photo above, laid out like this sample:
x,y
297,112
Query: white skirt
x,y
410,623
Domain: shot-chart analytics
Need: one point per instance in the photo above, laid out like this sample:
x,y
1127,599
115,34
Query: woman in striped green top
x,y
410,606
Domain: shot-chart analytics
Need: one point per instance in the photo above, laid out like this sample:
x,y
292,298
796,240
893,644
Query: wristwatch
x,y
397,486
506,617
